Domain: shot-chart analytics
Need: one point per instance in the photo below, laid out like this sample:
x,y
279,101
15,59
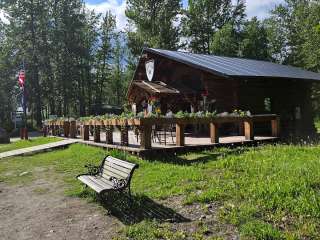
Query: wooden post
x,y
57,130
85,132
241,129
275,127
145,135
25,134
21,133
180,134
124,136
214,132
73,129
248,130
66,129
45,130
109,134
96,134
52,129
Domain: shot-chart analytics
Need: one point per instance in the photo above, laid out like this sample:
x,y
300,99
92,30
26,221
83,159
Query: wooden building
x,y
196,82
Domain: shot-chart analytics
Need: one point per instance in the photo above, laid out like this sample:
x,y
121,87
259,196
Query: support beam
x,y
45,131
124,136
73,129
214,132
180,134
275,127
145,135
248,130
66,129
109,134
85,132
96,134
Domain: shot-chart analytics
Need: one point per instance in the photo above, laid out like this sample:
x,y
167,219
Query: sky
x,y
259,8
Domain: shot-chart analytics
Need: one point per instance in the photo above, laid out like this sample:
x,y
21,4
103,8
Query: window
x,y
267,104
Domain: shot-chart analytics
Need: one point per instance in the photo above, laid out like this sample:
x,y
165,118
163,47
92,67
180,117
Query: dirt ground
x,y
40,210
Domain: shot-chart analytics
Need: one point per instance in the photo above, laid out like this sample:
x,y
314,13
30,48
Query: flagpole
x,y
24,132
25,107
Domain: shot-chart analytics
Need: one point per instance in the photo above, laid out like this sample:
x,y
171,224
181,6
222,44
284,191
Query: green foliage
x,y
71,65
205,17
225,42
254,43
154,24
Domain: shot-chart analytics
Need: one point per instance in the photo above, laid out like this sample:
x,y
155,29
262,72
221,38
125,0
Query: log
x,y
145,135
180,141
248,129
214,132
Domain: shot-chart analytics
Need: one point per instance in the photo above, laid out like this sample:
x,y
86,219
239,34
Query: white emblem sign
x,y
150,69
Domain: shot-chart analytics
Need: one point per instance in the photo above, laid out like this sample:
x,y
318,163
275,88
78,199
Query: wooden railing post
x,y
109,134
85,132
45,130
180,134
73,129
96,134
275,127
66,129
214,132
53,129
145,135
124,136
57,130
248,129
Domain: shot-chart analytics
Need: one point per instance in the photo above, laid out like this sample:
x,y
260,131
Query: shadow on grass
x,y
138,208
203,157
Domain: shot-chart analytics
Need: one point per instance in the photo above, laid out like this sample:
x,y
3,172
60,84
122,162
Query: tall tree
x,y
154,23
204,18
225,42
254,43
104,58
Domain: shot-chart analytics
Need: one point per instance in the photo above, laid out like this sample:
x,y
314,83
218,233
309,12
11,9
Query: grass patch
x,y
270,192
27,143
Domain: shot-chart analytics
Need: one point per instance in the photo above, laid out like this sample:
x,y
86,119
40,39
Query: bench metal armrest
x,y
118,183
92,169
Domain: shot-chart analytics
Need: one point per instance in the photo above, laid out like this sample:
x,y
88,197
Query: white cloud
x,y
116,8
261,8
3,17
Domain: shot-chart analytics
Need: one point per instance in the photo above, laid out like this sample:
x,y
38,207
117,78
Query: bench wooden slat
x,y
120,168
98,182
110,175
86,180
104,180
115,172
120,162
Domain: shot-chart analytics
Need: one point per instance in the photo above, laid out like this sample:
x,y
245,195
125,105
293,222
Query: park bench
x,y
112,175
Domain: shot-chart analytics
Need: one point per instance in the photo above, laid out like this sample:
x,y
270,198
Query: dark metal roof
x,y
236,67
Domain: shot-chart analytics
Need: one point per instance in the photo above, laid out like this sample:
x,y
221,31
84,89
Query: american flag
x,y
21,78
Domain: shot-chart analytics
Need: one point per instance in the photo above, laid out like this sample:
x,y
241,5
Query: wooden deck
x,y
143,141
192,143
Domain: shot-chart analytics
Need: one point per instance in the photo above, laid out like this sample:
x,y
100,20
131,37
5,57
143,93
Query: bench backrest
x,y
113,167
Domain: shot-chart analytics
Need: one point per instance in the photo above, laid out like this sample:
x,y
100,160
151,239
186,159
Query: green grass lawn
x,y
27,143
270,192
